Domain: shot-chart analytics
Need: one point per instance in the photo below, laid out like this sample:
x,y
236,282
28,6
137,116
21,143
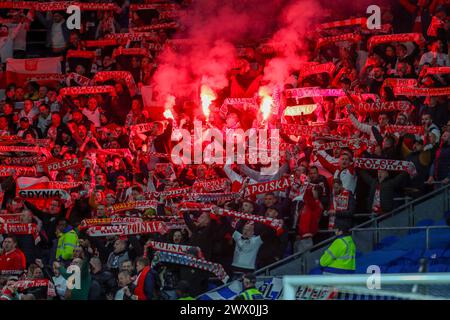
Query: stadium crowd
x,y
87,179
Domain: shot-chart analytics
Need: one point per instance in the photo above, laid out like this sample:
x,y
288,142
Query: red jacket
x,y
308,222
13,260
139,290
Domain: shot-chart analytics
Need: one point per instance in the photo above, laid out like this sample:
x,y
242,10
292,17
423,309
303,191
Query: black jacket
x,y
387,189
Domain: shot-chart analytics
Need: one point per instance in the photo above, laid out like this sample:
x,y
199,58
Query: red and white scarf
x,y
75,91
87,223
21,228
169,193
421,92
145,227
391,129
344,23
385,164
313,92
383,106
303,130
307,69
158,26
22,285
101,43
172,247
276,224
129,52
402,37
437,70
351,37
133,205
58,165
81,54
270,186
190,261
103,76
6,171
210,185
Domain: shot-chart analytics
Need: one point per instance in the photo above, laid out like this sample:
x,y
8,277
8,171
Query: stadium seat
x,y
433,253
438,268
386,242
423,223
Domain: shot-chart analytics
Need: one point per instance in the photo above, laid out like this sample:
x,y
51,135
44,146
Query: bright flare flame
x,y
207,96
266,103
168,105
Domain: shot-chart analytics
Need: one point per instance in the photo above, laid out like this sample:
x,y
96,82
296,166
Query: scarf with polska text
x,y
210,185
22,285
385,164
87,223
313,92
276,224
103,76
391,129
172,247
190,261
270,186
307,70
303,130
383,106
57,165
397,82
121,51
351,37
145,227
21,228
132,205
7,171
401,37
142,127
75,91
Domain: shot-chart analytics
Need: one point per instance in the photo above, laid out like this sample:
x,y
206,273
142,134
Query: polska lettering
x,y
270,186
64,164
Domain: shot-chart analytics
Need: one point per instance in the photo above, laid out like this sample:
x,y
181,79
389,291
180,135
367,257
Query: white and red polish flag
x,y
18,70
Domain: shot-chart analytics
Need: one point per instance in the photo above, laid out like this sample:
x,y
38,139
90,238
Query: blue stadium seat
x,y
433,253
317,270
438,268
423,223
413,255
386,242
395,269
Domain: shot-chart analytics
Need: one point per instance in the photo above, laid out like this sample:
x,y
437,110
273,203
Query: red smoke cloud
x,y
215,27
